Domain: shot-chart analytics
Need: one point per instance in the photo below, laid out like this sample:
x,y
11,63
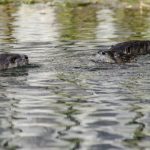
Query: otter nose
x,y
103,53
26,57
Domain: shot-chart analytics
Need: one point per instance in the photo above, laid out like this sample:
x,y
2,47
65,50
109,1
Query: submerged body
x,y
124,52
12,60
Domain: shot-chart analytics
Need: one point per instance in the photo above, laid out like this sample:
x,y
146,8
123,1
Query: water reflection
x,y
133,84
15,72
106,29
132,24
35,23
138,135
6,26
77,22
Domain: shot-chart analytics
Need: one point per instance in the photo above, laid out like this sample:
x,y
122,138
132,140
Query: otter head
x,y
113,57
16,60
105,56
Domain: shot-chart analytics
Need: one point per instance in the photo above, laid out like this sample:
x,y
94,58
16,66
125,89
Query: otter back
x,y
132,48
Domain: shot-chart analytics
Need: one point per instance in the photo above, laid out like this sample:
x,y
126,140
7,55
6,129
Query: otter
x,y
125,52
11,60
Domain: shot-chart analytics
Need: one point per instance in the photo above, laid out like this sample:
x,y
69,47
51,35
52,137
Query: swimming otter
x,y
11,60
124,52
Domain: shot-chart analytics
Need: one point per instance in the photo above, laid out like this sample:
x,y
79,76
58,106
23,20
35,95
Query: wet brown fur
x,y
128,51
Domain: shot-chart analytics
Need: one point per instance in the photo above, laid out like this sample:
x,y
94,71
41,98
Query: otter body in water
x,y
124,52
11,60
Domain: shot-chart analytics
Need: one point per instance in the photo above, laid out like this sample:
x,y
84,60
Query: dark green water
x,y
63,100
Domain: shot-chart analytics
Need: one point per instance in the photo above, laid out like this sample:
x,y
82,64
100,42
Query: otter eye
x,y
103,53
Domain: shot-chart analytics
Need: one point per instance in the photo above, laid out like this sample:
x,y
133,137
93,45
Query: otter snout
x,y
25,59
103,56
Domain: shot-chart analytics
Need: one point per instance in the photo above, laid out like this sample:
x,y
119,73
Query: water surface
x,y
63,100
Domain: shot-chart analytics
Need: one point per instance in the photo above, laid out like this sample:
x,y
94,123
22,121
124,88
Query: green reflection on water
x,y
136,95
77,22
6,20
134,23
138,134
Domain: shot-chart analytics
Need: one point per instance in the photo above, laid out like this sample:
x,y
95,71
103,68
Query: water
x,y
63,100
